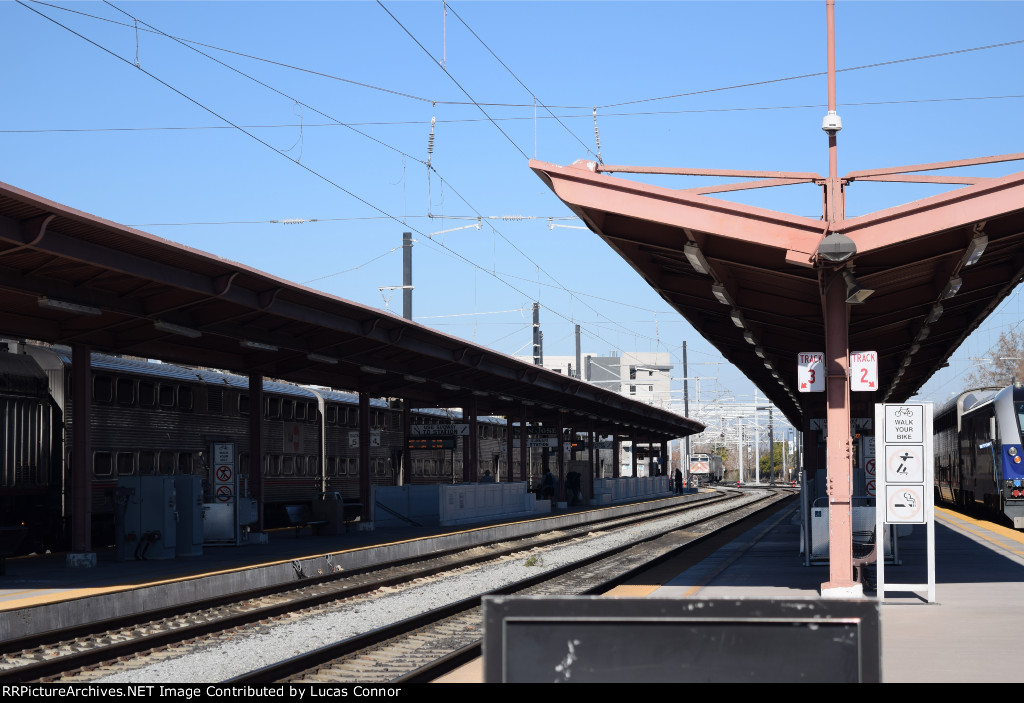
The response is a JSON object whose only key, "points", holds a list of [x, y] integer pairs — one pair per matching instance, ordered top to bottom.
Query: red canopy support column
{"points": [[838, 444], [256, 445], [509, 449], [524, 451], [364, 457], [81, 554]]}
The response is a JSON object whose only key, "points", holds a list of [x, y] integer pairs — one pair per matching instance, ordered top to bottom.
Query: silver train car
{"points": [[154, 418], [979, 459]]}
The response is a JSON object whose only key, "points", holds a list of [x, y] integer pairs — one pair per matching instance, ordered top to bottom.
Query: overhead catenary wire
{"points": [[951, 52], [604, 115], [279, 152]]}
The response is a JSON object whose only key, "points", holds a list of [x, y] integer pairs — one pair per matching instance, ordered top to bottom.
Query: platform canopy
{"points": [[70, 277], [747, 278]]}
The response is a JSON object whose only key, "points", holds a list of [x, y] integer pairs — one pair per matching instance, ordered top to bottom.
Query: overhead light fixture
{"points": [[836, 247], [974, 250], [696, 259], [952, 288], [721, 294], [855, 294], [65, 306], [934, 314], [737, 318], [176, 329], [923, 332], [749, 336], [249, 344], [914, 348], [758, 350], [321, 358], [768, 364], [372, 369], [414, 379], [450, 387], [482, 394], [506, 398], [525, 402], [545, 406]]}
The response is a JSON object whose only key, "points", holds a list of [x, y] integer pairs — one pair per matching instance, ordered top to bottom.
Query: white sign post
{"points": [[810, 372], [904, 476]]}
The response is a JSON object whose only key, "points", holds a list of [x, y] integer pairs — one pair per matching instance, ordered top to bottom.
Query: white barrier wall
{"points": [[618, 490], [444, 504]]}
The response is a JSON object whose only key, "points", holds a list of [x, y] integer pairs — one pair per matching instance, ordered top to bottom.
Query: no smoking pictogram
{"points": [[904, 504]]}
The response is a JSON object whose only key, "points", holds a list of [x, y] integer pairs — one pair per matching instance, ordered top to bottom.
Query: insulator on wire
{"points": [[597, 137]]}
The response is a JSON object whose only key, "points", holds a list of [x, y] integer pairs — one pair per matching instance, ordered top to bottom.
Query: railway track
{"points": [[133, 644]]}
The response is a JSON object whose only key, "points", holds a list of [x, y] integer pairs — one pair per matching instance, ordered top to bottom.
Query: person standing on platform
{"points": [[487, 478], [678, 480]]}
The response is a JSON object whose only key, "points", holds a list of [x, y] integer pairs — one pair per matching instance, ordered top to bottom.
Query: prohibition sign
{"points": [[869, 467], [223, 473], [869, 487], [224, 494], [904, 504]]}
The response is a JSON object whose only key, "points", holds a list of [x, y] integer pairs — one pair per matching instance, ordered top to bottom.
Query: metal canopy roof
{"points": [[690, 247], [145, 296]]}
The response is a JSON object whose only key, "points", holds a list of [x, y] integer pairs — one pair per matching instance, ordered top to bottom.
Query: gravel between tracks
{"points": [[228, 656]]}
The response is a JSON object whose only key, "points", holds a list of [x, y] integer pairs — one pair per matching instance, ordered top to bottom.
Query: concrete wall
{"points": [[617, 490], [455, 504]]}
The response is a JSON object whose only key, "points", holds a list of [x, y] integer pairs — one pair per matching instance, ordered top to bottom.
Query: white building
{"points": [[643, 376]]}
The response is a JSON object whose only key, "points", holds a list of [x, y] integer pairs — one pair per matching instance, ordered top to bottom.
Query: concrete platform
{"points": [[40, 593], [965, 637]]}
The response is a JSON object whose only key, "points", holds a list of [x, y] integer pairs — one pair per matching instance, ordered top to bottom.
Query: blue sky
{"points": [[153, 157]]}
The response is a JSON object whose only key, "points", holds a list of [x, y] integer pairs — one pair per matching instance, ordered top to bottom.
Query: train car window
{"points": [[102, 389], [125, 392], [167, 393], [147, 394], [185, 399], [215, 401], [243, 403], [273, 409], [287, 410], [300, 411], [332, 415], [125, 463], [147, 463], [167, 463], [185, 463], [102, 464], [243, 464], [270, 465], [288, 465], [312, 466], [332, 466], [378, 467]]}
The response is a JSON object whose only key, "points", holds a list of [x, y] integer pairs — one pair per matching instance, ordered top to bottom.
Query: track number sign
{"points": [[864, 371], [811, 372]]}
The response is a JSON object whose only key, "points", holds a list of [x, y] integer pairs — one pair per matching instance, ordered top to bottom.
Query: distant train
{"points": [[153, 418], [978, 452], [705, 469]]}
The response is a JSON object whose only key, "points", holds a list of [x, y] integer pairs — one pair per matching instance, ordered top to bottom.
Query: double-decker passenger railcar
{"points": [[154, 418], [978, 452]]}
